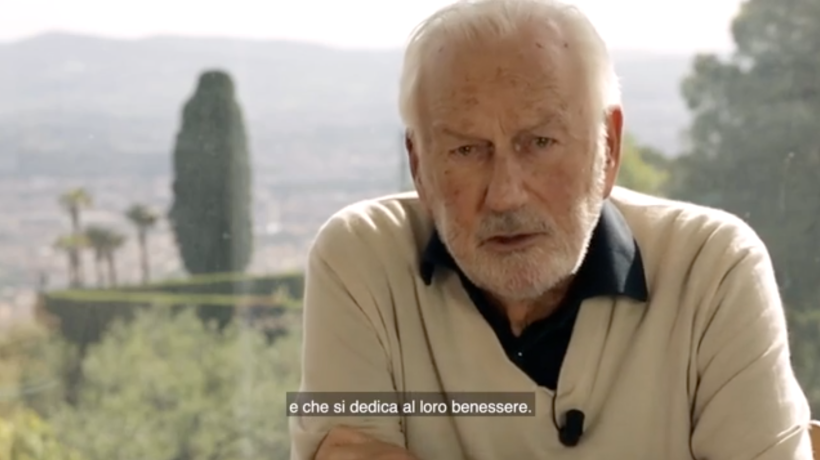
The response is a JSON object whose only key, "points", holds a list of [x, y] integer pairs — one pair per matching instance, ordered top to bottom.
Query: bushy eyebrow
{"points": [[556, 118], [549, 119], [448, 131], [461, 136]]}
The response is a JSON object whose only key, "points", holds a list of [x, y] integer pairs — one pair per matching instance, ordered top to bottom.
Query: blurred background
{"points": [[165, 164]]}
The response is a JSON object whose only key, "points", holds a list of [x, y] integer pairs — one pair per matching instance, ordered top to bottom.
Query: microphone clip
{"points": [[573, 428]]}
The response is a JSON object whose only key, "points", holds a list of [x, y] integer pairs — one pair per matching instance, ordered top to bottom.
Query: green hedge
{"points": [[228, 283], [83, 315]]}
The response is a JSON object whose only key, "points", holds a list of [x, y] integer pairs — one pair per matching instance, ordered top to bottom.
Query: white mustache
{"points": [[512, 223]]}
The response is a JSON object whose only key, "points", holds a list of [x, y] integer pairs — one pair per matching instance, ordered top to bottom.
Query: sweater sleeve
{"points": [[343, 340], [748, 403]]}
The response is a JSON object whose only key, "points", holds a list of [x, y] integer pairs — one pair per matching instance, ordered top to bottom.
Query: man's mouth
{"points": [[512, 241]]}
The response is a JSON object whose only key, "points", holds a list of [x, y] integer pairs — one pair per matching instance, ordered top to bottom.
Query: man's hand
{"points": [[343, 443]]}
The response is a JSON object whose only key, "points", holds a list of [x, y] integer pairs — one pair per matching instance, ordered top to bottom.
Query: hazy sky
{"points": [[664, 25]]}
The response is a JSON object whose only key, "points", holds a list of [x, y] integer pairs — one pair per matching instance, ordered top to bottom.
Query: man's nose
{"points": [[506, 190]]}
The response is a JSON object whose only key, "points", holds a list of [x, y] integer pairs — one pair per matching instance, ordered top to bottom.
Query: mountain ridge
{"points": [[114, 104]]}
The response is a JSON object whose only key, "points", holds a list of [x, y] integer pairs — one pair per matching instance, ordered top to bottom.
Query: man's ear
{"points": [[615, 124], [411, 144], [412, 155]]}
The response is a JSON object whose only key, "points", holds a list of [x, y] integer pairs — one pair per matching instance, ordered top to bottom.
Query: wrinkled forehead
{"points": [[530, 73]]}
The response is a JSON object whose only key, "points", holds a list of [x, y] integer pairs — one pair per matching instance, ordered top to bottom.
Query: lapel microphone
{"points": [[573, 428], [571, 431]]}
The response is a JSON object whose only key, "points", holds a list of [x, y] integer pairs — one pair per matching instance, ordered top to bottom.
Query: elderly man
{"points": [[647, 329]]}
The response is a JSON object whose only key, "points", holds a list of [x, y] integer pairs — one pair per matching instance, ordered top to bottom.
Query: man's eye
{"points": [[542, 142], [465, 150]]}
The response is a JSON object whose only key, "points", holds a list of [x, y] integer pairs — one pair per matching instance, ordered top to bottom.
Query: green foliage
{"points": [[755, 143], [755, 151], [643, 169], [211, 213], [141, 216], [229, 283], [84, 315], [36, 368], [21, 372], [165, 387], [25, 436]]}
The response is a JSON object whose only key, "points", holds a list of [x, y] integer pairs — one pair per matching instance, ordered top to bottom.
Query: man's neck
{"points": [[522, 313]]}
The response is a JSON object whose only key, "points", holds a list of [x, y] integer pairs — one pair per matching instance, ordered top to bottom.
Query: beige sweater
{"points": [[700, 372]]}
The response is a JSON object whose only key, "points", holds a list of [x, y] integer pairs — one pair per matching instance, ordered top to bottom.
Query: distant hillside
{"points": [[88, 106]]}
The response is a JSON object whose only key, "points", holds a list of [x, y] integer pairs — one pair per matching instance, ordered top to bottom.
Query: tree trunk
{"points": [[75, 220], [99, 262], [146, 267], [72, 268], [76, 268], [112, 270], [80, 274], [79, 279]]}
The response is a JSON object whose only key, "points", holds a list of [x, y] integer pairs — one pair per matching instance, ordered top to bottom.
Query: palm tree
{"points": [[73, 202], [143, 219], [97, 238], [115, 242], [105, 243], [72, 245]]}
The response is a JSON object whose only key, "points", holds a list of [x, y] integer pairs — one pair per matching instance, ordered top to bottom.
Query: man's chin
{"points": [[519, 288], [517, 293]]}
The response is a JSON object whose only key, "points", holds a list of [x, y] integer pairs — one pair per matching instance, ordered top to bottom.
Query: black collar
{"points": [[612, 266]]}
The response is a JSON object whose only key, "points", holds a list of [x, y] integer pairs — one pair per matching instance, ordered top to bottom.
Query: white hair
{"points": [[469, 19]]}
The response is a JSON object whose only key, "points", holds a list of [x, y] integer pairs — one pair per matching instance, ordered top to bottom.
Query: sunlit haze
{"points": [[672, 25]]}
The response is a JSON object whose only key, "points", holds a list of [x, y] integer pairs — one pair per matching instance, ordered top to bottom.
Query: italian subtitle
{"points": [[410, 404]]}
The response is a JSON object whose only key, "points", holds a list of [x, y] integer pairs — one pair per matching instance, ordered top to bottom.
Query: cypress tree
{"points": [[211, 212]]}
